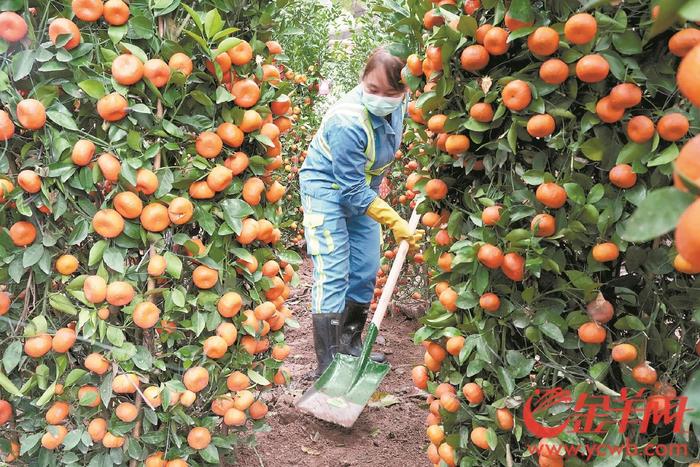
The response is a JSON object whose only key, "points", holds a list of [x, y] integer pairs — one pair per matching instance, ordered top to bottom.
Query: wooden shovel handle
{"points": [[388, 290]]}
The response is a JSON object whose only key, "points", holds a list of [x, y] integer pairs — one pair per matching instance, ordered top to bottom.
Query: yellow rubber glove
{"points": [[381, 212]]}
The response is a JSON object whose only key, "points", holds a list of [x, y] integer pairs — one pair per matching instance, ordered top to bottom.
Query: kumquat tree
{"points": [[546, 138], [151, 225], [142, 280]]}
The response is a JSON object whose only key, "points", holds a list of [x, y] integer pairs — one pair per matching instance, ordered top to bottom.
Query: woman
{"points": [[339, 180]]}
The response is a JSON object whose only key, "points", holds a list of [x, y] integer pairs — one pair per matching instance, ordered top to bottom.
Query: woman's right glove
{"points": [[381, 212]]}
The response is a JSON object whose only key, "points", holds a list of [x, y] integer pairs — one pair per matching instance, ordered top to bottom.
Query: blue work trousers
{"points": [[345, 250]]}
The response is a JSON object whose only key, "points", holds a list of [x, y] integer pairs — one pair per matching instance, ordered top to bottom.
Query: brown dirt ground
{"points": [[382, 436]]}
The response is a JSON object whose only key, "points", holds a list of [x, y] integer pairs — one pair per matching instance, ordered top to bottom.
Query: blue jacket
{"points": [[343, 176]]}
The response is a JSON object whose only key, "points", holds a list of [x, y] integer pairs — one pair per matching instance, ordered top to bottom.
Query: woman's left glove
{"points": [[381, 212]]}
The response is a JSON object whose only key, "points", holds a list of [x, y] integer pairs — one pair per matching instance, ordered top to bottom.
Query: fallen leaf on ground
{"points": [[382, 399], [311, 451]]}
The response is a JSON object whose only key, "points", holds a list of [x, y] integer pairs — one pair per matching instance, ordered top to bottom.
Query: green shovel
{"points": [[342, 391]]}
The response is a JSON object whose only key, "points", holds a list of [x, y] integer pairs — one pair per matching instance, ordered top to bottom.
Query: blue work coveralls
{"points": [[340, 177]]}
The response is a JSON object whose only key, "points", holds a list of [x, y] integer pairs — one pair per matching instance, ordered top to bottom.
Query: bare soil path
{"points": [[393, 435]]}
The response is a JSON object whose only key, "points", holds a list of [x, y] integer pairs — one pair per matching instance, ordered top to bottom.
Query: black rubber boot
{"points": [[354, 319], [326, 336]]}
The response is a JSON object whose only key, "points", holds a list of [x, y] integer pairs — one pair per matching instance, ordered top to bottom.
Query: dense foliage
{"points": [[535, 156], [142, 279]]}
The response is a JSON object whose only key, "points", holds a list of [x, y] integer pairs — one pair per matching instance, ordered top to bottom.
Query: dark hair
{"points": [[390, 64]]}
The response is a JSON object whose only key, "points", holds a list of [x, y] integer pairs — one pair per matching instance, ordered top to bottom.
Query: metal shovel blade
{"points": [[343, 390]]}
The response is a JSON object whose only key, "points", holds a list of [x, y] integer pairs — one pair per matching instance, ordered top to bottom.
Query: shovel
{"points": [[344, 388]]}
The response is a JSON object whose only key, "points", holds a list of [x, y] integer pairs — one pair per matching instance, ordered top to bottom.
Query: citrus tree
{"points": [[537, 131], [142, 280]]}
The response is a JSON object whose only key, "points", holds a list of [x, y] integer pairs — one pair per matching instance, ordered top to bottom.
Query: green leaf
{"points": [[521, 10], [691, 10], [667, 16], [212, 23], [117, 33], [628, 43], [226, 44], [136, 51], [22, 63], [93, 88], [63, 119], [172, 129], [593, 149], [632, 152], [669, 154], [575, 193], [235, 208], [656, 215], [96, 252], [32, 255], [289, 256], [114, 259], [173, 265], [60, 302], [630, 322], [552, 331], [115, 336], [12, 356], [74, 376], [257, 378], [8, 385], [106, 389], [47, 395], [210, 454]]}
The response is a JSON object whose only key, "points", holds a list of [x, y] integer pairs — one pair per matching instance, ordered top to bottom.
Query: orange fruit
{"points": [[470, 6], [87, 10], [116, 12], [431, 19], [64, 26], [13, 27], [581, 28], [481, 32], [496, 41], [543, 41], [683, 41], [240, 54], [474, 58], [181, 62], [414, 65], [592, 68], [127, 69], [554, 71], [271, 73], [686, 76], [246, 93], [516, 95], [625, 95], [281, 105], [113, 106], [607, 111], [481, 112], [31, 114], [252, 121], [436, 123], [541, 125], [7, 126], [672, 126], [640, 129], [230, 134], [208, 144], [456, 144], [82, 153], [687, 164], [109, 166], [622, 176], [219, 178], [29, 181], [146, 182], [436, 189], [252, 191], [275, 192], [551, 195], [128, 204], [180, 210], [491, 215], [155, 217], [108, 223], [543, 225], [22, 233], [687, 240], [604, 252], [490, 256], [66, 264], [156, 265], [681, 265], [513, 266], [204, 277], [95, 289], [119, 293], [448, 299], [490, 302], [5, 303], [229, 304], [146, 315], [228, 332], [592, 333], [63, 340], [454, 345], [215, 347], [624, 353], [97, 364], [419, 374], [644, 374], [196, 378], [125, 383], [473, 393], [89, 395], [257, 410], [5, 411], [126, 412], [57, 413], [504, 419], [97, 429], [435, 434], [54, 436], [478, 437], [198, 438], [112, 441], [155, 460]]}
